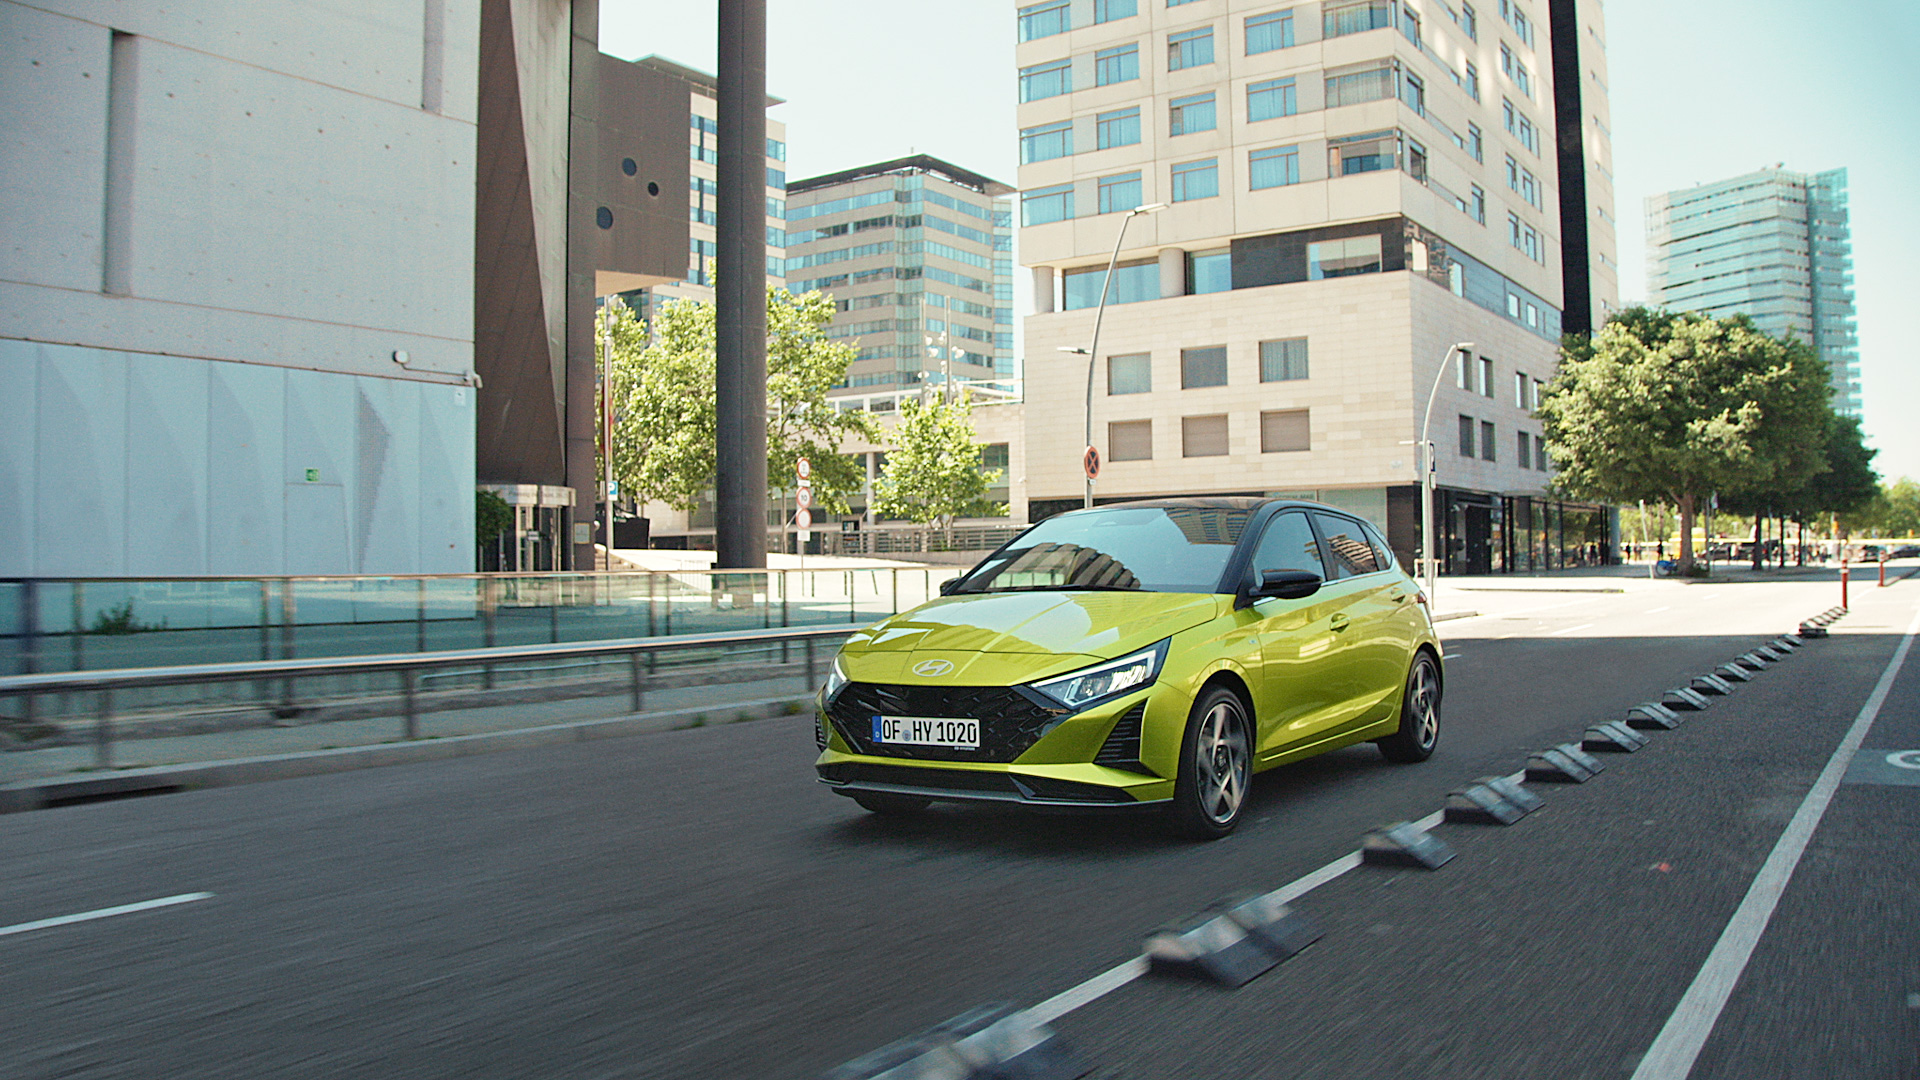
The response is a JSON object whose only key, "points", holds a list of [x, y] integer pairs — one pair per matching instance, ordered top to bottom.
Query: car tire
{"points": [[1419, 714], [1216, 767], [882, 803]]}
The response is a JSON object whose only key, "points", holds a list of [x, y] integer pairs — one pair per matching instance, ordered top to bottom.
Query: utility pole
{"points": [[740, 293]]}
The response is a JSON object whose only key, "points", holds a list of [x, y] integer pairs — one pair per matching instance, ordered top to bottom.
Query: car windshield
{"points": [[1144, 549]]}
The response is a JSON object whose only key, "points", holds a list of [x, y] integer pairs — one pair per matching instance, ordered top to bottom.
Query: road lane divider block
{"points": [[1812, 630], [1792, 639], [1768, 652], [1753, 661], [1733, 673], [1710, 684], [1684, 698], [1653, 716], [1613, 737], [1563, 764], [1491, 800], [1404, 844], [1230, 943], [993, 1042]]}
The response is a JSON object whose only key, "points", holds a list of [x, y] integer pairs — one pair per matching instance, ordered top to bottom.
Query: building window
{"points": [[1109, 10], [1359, 16], [1043, 20], [1470, 22], [1410, 25], [1523, 26], [1265, 33], [1190, 48], [1116, 65], [1046, 80], [1372, 81], [1473, 81], [1414, 92], [1272, 98], [1187, 115], [1118, 128], [1046, 142], [1476, 142], [1363, 153], [1416, 161], [1274, 167], [1513, 174], [1196, 180], [1530, 187], [1119, 192], [1477, 204], [1042, 205], [1513, 238], [1530, 246], [1343, 258], [1209, 272], [1456, 279], [1132, 282], [1513, 304], [1533, 317], [1284, 360], [1203, 367], [1462, 368], [1130, 374], [1486, 376], [1519, 392], [1533, 394], [1284, 430], [1203, 436], [1466, 436], [1130, 440], [1523, 449], [1488, 452], [1540, 455]]}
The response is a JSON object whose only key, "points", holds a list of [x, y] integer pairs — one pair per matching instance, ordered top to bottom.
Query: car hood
{"points": [[1100, 625]]}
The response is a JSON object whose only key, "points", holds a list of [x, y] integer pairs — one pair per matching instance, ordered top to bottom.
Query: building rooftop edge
{"points": [[706, 84], [923, 162]]}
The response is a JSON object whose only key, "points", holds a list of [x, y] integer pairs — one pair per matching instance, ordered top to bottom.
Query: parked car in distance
{"points": [[1151, 654]]}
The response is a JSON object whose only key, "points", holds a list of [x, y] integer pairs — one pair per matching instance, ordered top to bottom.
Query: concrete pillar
{"points": [[1173, 272], [1042, 290], [740, 315]]}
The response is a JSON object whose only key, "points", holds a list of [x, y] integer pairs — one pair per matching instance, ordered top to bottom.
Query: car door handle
{"points": [[1398, 598], [1338, 623]]}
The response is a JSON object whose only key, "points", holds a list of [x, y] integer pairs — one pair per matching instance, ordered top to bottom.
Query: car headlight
{"points": [[836, 678], [1078, 689]]}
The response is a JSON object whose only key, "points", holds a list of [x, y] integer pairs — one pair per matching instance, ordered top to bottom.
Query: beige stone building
{"points": [[1350, 188]]}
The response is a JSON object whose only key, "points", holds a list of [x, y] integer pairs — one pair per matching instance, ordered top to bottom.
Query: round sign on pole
{"points": [[1091, 462], [803, 469], [803, 497], [803, 520]]}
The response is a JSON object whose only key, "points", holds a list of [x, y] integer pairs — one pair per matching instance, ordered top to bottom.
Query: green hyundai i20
{"points": [[1143, 654]]}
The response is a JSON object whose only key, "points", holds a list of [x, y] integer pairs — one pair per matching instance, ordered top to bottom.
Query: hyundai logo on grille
{"points": [[932, 669]]}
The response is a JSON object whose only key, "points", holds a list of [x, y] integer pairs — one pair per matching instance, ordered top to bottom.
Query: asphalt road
{"points": [[693, 904]]}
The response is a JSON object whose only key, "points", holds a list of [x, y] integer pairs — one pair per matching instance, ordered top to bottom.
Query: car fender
{"points": [[1165, 723]]}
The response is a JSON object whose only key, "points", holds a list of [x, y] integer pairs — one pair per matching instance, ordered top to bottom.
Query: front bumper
{"points": [[1058, 787]]}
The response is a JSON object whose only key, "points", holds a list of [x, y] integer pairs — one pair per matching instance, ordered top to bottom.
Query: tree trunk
{"points": [[1686, 533], [1759, 560]]}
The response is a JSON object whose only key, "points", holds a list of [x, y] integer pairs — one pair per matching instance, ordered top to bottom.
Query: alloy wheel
{"points": [[1221, 756]]}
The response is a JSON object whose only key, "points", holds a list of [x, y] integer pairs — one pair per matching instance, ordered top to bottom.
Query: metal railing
{"points": [[283, 676]]}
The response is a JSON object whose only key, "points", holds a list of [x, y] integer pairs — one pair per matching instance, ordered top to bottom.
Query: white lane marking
{"points": [[1658, 610], [1570, 630], [1904, 759], [104, 913], [1114, 978], [1680, 1040]]}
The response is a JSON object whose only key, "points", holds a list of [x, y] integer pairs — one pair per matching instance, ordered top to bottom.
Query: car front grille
{"points": [[1010, 721]]}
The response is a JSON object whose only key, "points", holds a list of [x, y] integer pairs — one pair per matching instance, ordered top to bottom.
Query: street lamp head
{"points": [[1150, 208], [1462, 346], [1074, 349]]}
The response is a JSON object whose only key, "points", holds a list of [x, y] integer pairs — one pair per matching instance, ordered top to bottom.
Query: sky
{"points": [[1701, 90]]}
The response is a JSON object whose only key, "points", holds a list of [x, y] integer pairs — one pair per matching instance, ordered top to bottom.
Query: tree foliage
{"points": [[1676, 407], [666, 418], [933, 475], [1894, 511]]}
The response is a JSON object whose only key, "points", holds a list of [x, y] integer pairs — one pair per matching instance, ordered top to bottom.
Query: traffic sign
{"points": [[1091, 462], [803, 469], [803, 497], [803, 520]]}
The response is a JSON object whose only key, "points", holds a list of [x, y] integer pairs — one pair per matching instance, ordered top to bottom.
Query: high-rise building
{"points": [[1349, 189], [1773, 245], [917, 254]]}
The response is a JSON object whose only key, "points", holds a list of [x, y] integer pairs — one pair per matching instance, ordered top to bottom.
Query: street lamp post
{"points": [[1093, 348], [1427, 468]]}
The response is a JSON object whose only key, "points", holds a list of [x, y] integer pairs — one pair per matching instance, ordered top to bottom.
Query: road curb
{"points": [[72, 789]]}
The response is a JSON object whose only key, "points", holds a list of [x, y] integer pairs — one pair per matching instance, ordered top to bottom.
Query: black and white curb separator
{"points": [[1812, 630], [1768, 652], [1753, 661], [1733, 673], [1710, 684], [1684, 698], [1653, 716], [1613, 737], [1563, 764], [1491, 800], [1404, 844], [1230, 943], [993, 1042]]}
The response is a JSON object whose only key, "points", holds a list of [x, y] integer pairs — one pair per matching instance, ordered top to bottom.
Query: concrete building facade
{"points": [[1350, 188], [1773, 245]]}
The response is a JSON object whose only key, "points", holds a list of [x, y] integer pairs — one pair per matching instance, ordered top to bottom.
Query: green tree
{"points": [[664, 406], [1678, 406], [933, 474], [1843, 483], [1894, 511], [491, 517]]}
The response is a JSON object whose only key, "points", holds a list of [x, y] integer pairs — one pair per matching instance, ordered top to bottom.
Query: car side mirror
{"points": [[952, 583], [1286, 585]]}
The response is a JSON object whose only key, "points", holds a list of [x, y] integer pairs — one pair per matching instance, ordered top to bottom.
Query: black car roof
{"points": [[1211, 502]]}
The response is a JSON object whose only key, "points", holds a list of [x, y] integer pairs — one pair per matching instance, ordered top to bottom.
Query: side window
{"points": [[1288, 544], [1347, 546], [1380, 547]]}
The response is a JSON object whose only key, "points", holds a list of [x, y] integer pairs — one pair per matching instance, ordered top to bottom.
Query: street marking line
{"points": [[1571, 630], [104, 913], [1114, 978], [1685, 1033]]}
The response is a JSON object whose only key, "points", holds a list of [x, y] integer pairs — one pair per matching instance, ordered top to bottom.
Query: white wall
{"points": [[289, 190]]}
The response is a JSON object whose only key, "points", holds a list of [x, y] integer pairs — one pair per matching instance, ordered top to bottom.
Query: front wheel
{"points": [[1419, 714], [1216, 765]]}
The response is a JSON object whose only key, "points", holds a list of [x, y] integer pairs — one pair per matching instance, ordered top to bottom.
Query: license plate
{"points": [[927, 731]]}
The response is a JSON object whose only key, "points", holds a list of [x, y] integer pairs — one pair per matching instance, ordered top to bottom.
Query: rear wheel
{"points": [[1419, 714], [1216, 766], [882, 803]]}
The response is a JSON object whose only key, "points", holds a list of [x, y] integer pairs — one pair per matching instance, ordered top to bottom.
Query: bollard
{"points": [[1883, 571], [1843, 583]]}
